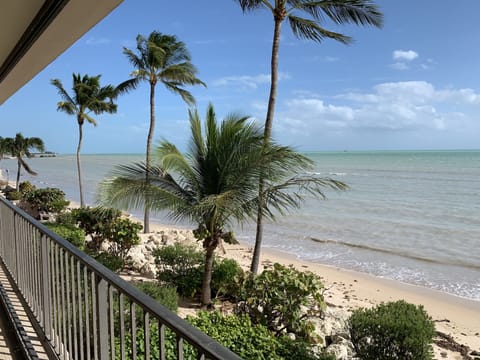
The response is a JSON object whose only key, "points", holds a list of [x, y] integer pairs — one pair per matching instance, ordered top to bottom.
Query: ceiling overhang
{"points": [[36, 32]]}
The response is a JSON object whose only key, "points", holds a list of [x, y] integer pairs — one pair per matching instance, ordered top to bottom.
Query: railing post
{"points": [[46, 296], [102, 316]]}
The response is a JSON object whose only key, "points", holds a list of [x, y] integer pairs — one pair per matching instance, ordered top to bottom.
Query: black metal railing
{"points": [[84, 310]]}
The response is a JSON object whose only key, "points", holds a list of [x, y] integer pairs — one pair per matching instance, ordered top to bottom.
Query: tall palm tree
{"points": [[359, 12], [165, 59], [87, 97], [20, 147], [216, 183]]}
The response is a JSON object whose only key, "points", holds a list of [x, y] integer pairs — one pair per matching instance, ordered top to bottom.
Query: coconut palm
{"points": [[359, 12], [165, 59], [87, 97], [20, 147], [216, 183]]}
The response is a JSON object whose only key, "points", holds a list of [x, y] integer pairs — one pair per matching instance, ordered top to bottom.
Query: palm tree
{"points": [[359, 12], [165, 59], [87, 97], [20, 147], [216, 183]]}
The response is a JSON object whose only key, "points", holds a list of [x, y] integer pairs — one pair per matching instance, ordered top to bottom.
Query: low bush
{"points": [[26, 187], [12, 194], [50, 200], [96, 222], [70, 233], [122, 234], [110, 261], [182, 266], [225, 277], [165, 295], [283, 299], [394, 330], [252, 341]]}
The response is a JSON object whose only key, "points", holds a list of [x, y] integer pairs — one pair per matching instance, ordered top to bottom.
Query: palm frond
{"points": [[251, 5], [309, 29], [27, 168]]}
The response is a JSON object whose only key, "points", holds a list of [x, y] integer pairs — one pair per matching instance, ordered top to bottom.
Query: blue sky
{"points": [[415, 84]]}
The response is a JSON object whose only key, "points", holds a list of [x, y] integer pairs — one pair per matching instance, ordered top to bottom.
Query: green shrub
{"points": [[26, 187], [13, 195], [51, 200], [66, 218], [96, 222], [70, 233], [122, 235], [110, 261], [181, 266], [225, 277], [165, 295], [283, 299], [394, 330], [239, 334], [252, 341], [300, 349]]}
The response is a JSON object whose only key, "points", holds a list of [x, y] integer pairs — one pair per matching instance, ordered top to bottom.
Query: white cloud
{"points": [[408, 55], [248, 81], [409, 107]]}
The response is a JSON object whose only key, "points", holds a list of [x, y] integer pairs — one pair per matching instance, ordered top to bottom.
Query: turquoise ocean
{"points": [[412, 216]]}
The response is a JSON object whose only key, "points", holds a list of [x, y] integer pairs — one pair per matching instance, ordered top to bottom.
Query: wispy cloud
{"points": [[97, 41], [407, 55], [402, 58], [248, 81]]}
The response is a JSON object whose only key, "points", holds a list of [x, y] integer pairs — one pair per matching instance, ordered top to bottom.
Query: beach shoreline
{"points": [[349, 290]]}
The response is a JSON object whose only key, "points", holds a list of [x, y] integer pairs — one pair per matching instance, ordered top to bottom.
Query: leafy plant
{"points": [[26, 187], [12, 194], [50, 200], [96, 222], [70, 233], [122, 235], [110, 261], [181, 266], [225, 277], [165, 295], [283, 299], [394, 330], [239, 334], [252, 341]]}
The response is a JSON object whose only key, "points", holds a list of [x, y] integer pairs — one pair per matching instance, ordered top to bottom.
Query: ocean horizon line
{"points": [[305, 151]]}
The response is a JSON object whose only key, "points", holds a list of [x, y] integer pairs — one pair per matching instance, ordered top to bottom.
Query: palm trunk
{"points": [[267, 134], [79, 167], [19, 168], [146, 218], [206, 297]]}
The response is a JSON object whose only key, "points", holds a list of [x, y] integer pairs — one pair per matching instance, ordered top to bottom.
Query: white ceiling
{"points": [[75, 19]]}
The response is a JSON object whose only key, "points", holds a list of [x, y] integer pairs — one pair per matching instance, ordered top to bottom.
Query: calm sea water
{"points": [[410, 216]]}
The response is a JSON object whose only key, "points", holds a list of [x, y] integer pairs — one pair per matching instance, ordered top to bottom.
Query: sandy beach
{"points": [[454, 316]]}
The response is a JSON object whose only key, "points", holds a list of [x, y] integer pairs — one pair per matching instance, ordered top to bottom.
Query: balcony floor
{"points": [[10, 347]]}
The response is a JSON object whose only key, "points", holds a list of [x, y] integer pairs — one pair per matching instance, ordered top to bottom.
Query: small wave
{"points": [[337, 173], [398, 253]]}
